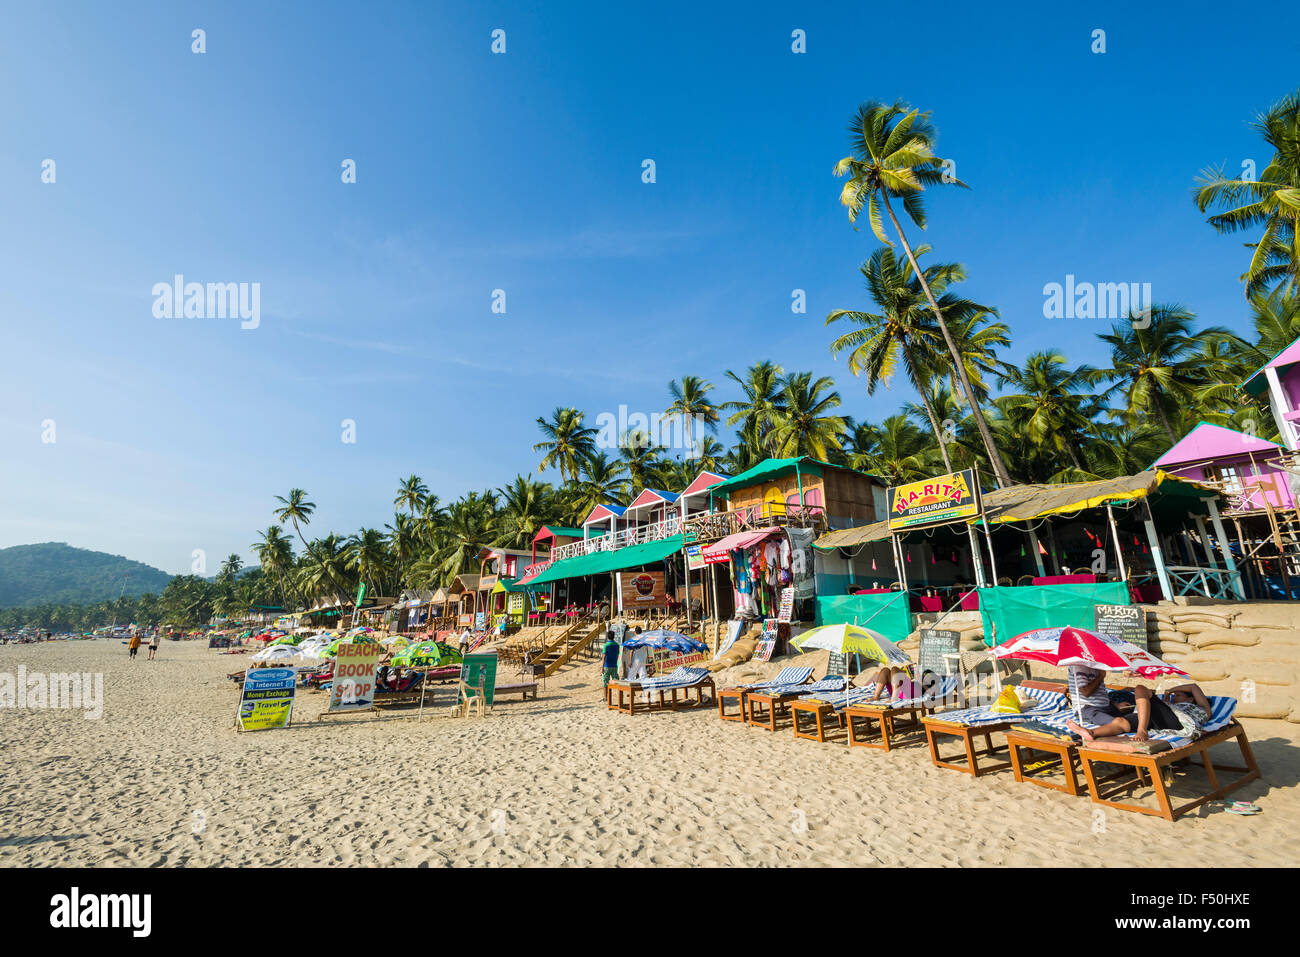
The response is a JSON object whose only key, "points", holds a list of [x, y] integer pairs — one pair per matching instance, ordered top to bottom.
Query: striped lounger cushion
{"points": [[788, 676], [683, 677], [843, 699], [1049, 703], [1221, 715]]}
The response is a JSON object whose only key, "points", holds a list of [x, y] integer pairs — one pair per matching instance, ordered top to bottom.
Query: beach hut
{"points": [[1278, 383]]}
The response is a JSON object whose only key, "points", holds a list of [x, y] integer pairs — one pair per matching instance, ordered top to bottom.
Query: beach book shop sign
{"points": [[944, 498], [353, 688], [267, 698]]}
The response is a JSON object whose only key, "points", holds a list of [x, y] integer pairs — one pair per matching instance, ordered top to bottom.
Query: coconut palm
{"points": [[892, 154], [1271, 201], [903, 333], [1153, 364], [762, 385], [691, 403], [1052, 404], [804, 425], [567, 442], [896, 450], [639, 456], [601, 482], [411, 494], [525, 507], [297, 511], [275, 553], [368, 558], [230, 567]]}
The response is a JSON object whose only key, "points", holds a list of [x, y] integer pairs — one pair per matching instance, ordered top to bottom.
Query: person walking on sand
{"points": [[133, 645], [153, 645], [609, 659]]}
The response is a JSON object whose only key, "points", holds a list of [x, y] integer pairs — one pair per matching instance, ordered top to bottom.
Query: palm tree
{"points": [[892, 154], [1271, 201], [904, 330], [1152, 362], [762, 385], [691, 404], [1051, 405], [804, 426], [567, 442], [896, 450], [639, 456], [602, 481], [410, 494], [526, 508], [296, 510], [471, 522], [275, 553], [368, 556], [230, 567], [324, 567]]}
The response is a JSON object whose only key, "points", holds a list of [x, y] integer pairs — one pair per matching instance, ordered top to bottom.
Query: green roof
{"points": [[770, 469], [562, 530], [610, 561]]}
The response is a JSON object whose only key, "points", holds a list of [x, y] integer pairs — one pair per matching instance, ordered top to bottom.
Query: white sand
{"points": [[557, 781]]}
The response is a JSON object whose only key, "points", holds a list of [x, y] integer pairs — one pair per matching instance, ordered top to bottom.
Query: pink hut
{"points": [[1279, 379], [1246, 467]]}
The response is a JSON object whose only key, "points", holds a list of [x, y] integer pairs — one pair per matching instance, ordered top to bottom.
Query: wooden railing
{"points": [[718, 525], [638, 535]]}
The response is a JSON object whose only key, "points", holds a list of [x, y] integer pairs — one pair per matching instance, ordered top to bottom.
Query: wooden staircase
{"points": [[571, 641]]}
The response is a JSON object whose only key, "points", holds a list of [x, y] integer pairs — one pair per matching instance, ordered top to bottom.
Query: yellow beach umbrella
{"points": [[853, 640]]}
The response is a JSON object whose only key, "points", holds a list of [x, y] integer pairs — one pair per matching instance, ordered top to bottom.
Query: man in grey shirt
{"points": [[1088, 693]]}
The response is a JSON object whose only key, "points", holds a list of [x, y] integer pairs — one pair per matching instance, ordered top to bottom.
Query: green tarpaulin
{"points": [[610, 561], [1013, 611], [885, 613]]}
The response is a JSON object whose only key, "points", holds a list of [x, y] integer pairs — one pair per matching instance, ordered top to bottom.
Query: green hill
{"points": [[58, 573]]}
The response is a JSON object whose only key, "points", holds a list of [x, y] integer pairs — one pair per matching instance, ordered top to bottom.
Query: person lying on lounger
{"points": [[893, 683], [1184, 708]]}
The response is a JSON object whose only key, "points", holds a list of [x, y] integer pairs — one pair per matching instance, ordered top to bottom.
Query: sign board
{"points": [[944, 498], [695, 557], [644, 590], [786, 610], [465, 620], [480, 621], [1127, 622], [935, 644], [662, 662], [842, 664], [479, 673], [353, 687], [267, 698]]}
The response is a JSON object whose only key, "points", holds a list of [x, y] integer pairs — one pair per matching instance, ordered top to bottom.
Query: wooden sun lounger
{"points": [[631, 690], [741, 695], [762, 709], [819, 712], [861, 716], [936, 727], [1150, 770]]}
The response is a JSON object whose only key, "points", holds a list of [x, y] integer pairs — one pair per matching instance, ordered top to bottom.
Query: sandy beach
{"points": [[163, 779]]}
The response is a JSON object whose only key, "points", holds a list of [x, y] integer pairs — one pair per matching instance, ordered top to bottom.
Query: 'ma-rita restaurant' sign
{"points": [[945, 498]]}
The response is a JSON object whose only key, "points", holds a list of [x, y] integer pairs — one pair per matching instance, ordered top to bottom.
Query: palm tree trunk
{"points": [[1164, 419], [934, 424], [1000, 471]]}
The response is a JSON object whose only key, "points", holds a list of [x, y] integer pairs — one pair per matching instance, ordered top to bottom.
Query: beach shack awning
{"points": [[768, 469], [1021, 503], [721, 550], [611, 561]]}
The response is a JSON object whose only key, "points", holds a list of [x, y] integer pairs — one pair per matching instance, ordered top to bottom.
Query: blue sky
{"points": [[522, 172]]}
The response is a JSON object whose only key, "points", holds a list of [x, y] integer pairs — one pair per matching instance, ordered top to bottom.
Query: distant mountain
{"points": [[56, 572]]}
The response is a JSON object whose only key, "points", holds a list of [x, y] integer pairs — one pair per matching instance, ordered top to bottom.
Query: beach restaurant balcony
{"points": [[620, 538]]}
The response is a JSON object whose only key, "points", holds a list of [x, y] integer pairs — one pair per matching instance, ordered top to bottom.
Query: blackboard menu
{"points": [[1127, 622], [935, 644], [851, 664]]}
